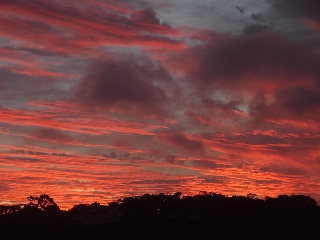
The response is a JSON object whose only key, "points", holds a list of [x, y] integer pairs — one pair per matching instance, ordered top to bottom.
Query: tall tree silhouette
{"points": [[43, 202]]}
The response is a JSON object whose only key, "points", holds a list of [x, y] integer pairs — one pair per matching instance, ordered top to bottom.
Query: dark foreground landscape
{"points": [[166, 216]]}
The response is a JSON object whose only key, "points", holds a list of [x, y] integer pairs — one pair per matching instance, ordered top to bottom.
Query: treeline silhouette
{"points": [[166, 216]]}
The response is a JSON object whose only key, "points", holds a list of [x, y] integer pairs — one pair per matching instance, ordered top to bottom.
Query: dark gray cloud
{"points": [[305, 8], [241, 10], [257, 17], [297, 19], [260, 24], [256, 28], [258, 61], [130, 83], [300, 99], [295, 103], [180, 140]]}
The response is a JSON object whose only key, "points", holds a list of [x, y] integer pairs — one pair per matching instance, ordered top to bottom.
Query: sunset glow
{"points": [[103, 99]]}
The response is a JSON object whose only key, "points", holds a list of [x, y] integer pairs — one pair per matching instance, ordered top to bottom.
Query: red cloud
{"points": [[67, 28], [74, 118]]}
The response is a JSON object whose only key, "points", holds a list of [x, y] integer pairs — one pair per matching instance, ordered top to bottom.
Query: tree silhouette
{"points": [[43, 202], [157, 216]]}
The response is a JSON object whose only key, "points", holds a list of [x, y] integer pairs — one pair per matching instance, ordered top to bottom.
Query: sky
{"points": [[105, 99]]}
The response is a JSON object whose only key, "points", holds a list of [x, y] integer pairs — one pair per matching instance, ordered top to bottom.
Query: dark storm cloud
{"points": [[305, 8], [261, 60], [130, 84], [300, 99], [51, 134]]}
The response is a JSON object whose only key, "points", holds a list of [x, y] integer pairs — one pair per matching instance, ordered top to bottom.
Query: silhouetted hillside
{"points": [[165, 216]]}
